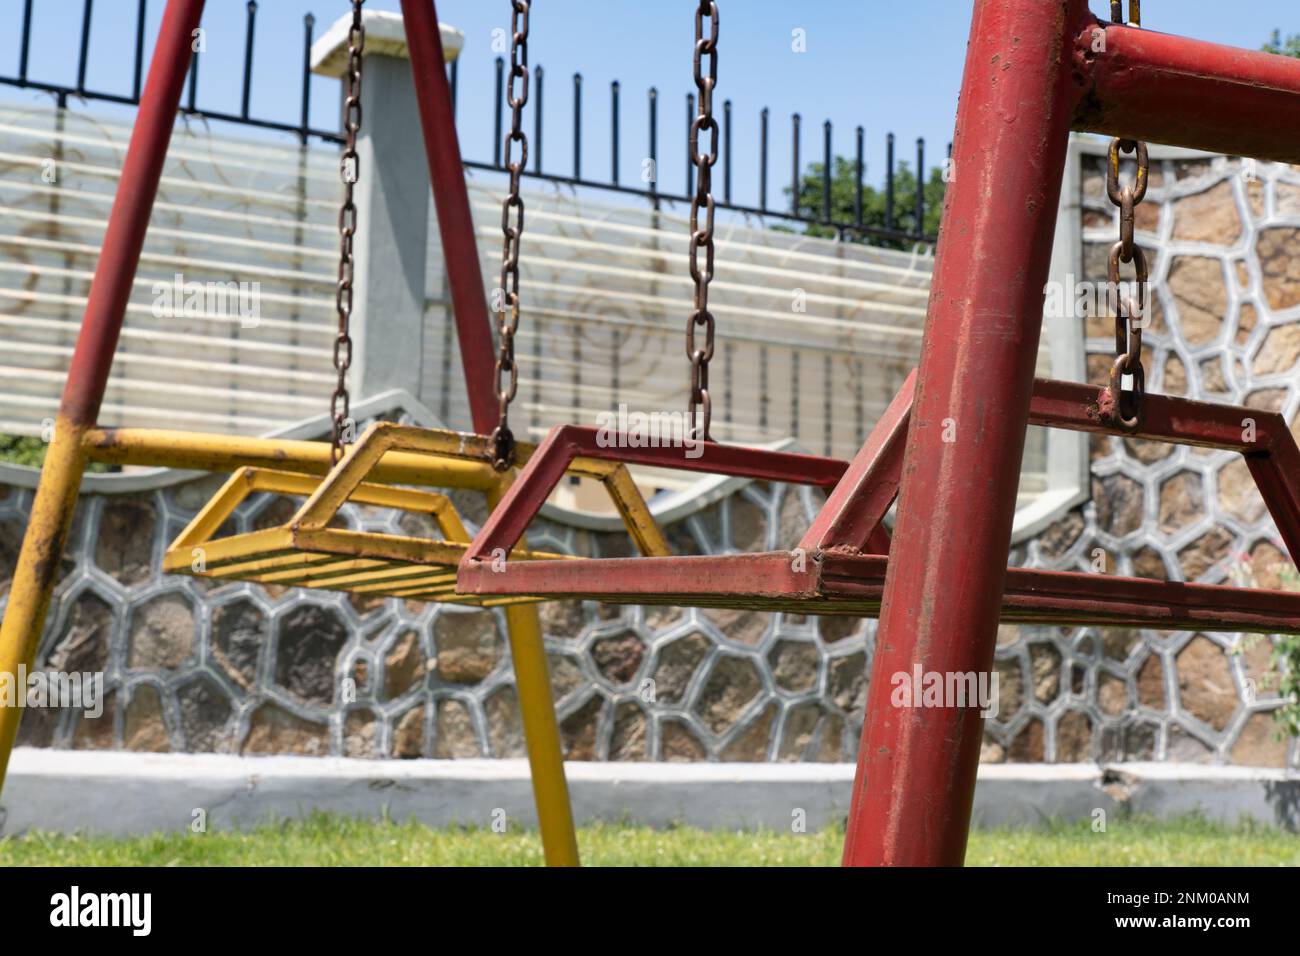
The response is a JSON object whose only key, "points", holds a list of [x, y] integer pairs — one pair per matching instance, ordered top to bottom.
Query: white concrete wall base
{"points": [[128, 793]]}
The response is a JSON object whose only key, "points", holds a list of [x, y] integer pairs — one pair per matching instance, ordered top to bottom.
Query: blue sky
{"points": [[882, 64]]}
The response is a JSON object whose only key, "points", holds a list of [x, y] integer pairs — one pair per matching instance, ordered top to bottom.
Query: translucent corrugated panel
{"points": [[229, 326], [814, 336]]}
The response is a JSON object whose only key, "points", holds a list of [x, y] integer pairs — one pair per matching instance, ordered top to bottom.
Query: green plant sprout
{"points": [[1284, 657]]}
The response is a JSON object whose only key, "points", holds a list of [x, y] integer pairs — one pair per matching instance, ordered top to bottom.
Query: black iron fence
{"points": [[189, 103], [801, 209]]}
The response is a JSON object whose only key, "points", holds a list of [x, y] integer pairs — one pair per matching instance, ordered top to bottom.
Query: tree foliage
{"points": [[1286, 47], [844, 186], [24, 450]]}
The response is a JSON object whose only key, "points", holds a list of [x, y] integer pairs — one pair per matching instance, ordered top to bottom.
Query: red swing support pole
{"points": [[1034, 70], [455, 220], [478, 358], [947, 566]]}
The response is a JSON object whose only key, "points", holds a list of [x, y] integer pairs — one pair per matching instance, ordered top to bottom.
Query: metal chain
{"points": [[349, 169], [1120, 408], [700, 410], [502, 443]]}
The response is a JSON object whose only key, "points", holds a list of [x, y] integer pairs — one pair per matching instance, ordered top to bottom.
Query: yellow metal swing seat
{"points": [[309, 552]]}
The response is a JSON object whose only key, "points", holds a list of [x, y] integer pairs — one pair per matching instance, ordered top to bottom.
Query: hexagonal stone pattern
{"points": [[124, 543], [240, 630], [162, 633], [310, 638], [85, 640], [468, 645], [618, 658], [678, 660], [204, 665], [404, 665], [794, 665], [1205, 683], [732, 685], [204, 714], [145, 726], [455, 729], [274, 730], [630, 730], [360, 734], [408, 734]]}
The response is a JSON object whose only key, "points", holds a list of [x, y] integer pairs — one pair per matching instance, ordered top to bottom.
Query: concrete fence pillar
{"points": [[392, 197]]}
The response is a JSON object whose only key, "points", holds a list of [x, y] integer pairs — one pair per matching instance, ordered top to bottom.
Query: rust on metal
{"points": [[1182, 92], [349, 170], [699, 410], [571, 447], [943, 595]]}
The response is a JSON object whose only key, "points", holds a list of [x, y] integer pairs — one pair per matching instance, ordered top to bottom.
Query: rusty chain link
{"points": [[349, 169], [1119, 408], [700, 410], [502, 445]]}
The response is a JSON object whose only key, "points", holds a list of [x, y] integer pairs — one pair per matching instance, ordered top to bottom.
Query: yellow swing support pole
{"points": [[470, 313], [56, 495], [38, 566], [541, 729]]}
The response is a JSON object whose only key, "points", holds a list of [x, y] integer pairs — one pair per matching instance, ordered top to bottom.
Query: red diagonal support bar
{"points": [[1167, 89], [455, 220], [92, 359], [1276, 474], [852, 515], [848, 578]]}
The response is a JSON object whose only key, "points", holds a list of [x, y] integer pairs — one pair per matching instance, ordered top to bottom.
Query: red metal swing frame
{"points": [[1035, 70], [839, 565]]}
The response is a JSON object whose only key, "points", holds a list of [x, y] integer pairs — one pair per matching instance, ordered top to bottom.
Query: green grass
{"points": [[324, 840]]}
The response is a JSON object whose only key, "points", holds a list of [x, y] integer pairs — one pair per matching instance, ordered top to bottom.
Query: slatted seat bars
{"points": [[308, 551], [839, 565]]}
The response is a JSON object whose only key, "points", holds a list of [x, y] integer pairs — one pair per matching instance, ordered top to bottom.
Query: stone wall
{"points": [[1223, 240], [192, 664], [241, 668]]}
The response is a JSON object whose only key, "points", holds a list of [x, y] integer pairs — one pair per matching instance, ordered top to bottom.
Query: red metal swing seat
{"points": [[839, 565]]}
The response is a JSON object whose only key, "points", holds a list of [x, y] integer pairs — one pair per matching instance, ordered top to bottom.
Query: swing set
{"points": [[946, 451]]}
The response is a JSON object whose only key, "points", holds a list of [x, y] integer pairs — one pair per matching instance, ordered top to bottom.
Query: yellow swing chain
{"points": [[349, 170]]}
